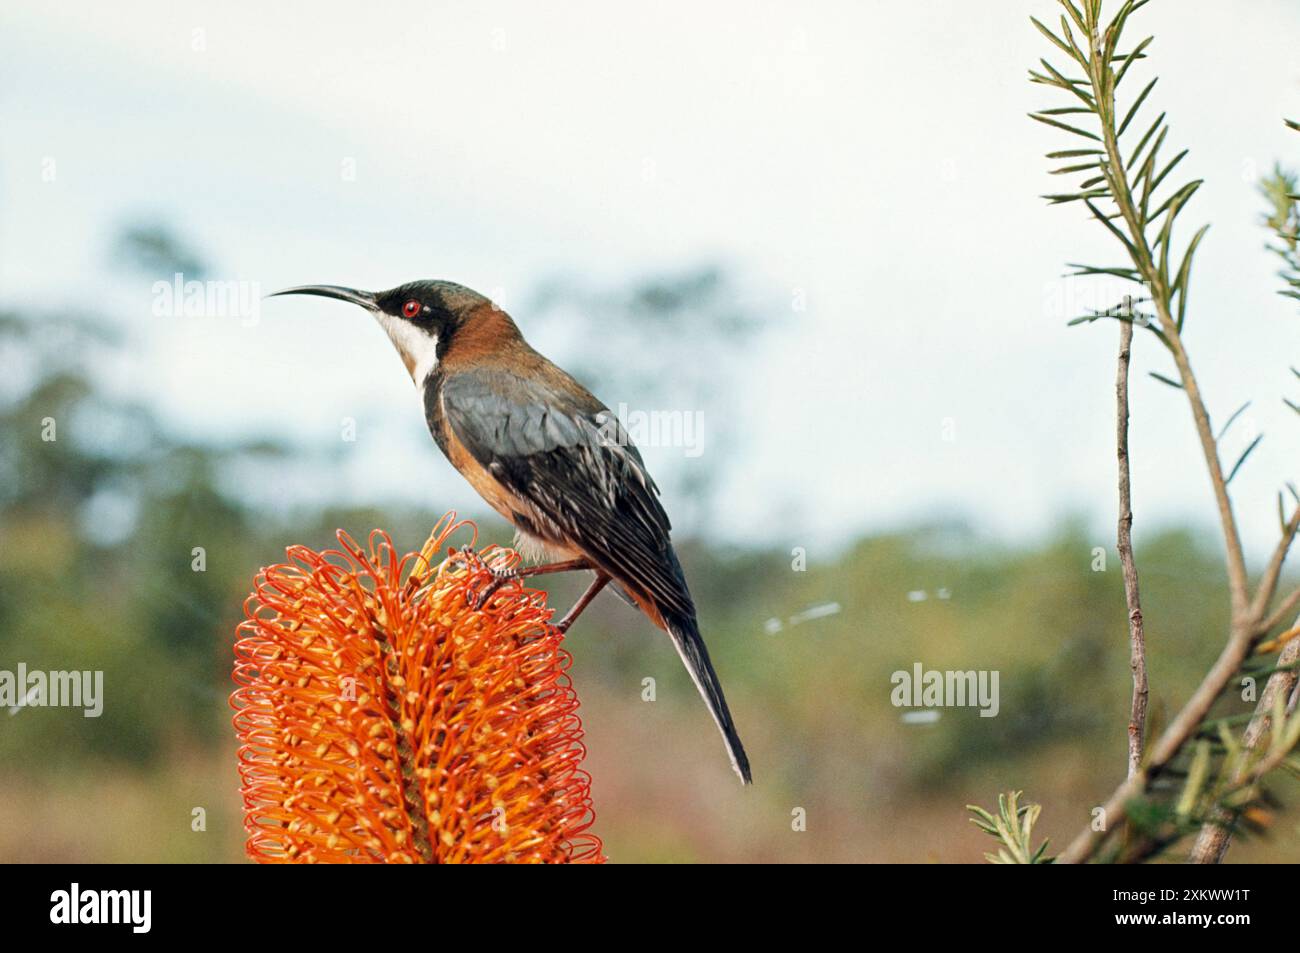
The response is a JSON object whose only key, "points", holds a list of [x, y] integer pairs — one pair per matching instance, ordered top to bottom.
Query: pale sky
{"points": [[871, 159]]}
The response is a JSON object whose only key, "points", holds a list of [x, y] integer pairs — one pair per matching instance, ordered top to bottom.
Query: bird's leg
{"points": [[568, 565], [502, 576], [592, 591]]}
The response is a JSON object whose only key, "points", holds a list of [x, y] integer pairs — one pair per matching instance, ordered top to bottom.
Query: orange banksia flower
{"points": [[382, 718]]}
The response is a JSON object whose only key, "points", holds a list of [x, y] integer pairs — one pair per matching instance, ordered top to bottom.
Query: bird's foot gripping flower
{"points": [[499, 572], [383, 718]]}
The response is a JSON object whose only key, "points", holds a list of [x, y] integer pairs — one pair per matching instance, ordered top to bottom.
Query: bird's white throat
{"points": [[418, 349]]}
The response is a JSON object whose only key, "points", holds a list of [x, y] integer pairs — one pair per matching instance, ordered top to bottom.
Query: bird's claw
{"points": [[465, 556], [499, 578]]}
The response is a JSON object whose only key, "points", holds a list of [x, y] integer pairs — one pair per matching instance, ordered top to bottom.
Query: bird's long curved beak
{"points": [[364, 298]]}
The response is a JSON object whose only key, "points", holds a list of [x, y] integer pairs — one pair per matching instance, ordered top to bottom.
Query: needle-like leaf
{"points": [[1056, 40], [1132, 58], [1071, 85], [1137, 104], [1060, 125], [1144, 140], [1071, 169], [1155, 184], [1105, 220], [1185, 274], [1237, 413], [1242, 459]]}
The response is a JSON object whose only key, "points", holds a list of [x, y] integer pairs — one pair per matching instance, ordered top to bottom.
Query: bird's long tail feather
{"points": [[685, 633]]}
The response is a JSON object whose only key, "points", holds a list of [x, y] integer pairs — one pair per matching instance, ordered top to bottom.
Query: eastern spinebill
{"points": [[548, 456]]}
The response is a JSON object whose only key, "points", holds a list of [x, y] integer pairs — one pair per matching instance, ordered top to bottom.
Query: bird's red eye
{"points": [[411, 308]]}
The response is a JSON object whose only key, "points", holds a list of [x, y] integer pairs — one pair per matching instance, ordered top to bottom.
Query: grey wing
{"points": [[570, 458]]}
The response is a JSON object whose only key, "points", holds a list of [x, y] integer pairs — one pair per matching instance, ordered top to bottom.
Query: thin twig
{"points": [[1144, 261], [1237, 580], [1268, 583], [1283, 610], [1250, 618], [1243, 630], [1137, 638], [1169, 744], [1216, 835]]}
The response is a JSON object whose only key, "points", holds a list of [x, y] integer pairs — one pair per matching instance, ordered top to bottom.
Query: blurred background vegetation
{"points": [[98, 528]]}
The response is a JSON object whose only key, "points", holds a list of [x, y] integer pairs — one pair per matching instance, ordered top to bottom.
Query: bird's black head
{"points": [[421, 317]]}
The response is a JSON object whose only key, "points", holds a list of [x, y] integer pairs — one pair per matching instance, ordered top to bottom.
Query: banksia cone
{"points": [[382, 718]]}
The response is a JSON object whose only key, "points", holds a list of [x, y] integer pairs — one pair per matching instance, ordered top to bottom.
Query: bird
{"points": [[548, 456]]}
